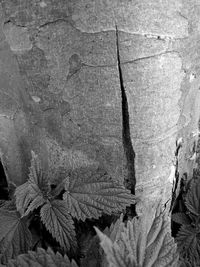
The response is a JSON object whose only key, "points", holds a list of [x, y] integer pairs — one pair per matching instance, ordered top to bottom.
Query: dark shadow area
{"points": [[3, 183]]}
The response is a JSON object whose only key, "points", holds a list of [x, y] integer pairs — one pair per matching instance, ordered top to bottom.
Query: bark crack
{"points": [[130, 180]]}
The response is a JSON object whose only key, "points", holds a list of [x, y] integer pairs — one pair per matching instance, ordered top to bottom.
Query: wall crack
{"points": [[130, 180]]}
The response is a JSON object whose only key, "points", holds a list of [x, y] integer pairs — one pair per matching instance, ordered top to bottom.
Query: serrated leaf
{"points": [[37, 176], [36, 187], [90, 195], [23, 197], [192, 201], [36, 203], [181, 218], [59, 223], [114, 231], [15, 237], [188, 240], [145, 241], [115, 255], [42, 258]]}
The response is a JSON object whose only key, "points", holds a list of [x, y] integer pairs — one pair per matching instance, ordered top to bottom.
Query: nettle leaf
{"points": [[37, 176], [31, 194], [90, 195], [23, 197], [193, 198], [36, 203], [56, 218], [181, 218], [114, 231], [114, 234], [15, 237], [188, 240], [145, 241], [114, 254], [42, 258]]}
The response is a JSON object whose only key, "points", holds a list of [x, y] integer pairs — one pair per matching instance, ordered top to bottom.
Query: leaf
{"points": [[37, 176], [36, 187], [88, 195], [23, 197], [193, 198], [36, 203], [181, 218], [59, 223], [115, 229], [114, 233], [15, 237], [188, 240], [145, 241], [115, 255], [42, 258]]}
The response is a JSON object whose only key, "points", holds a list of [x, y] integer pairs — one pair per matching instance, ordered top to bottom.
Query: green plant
{"points": [[55, 206], [188, 236], [142, 242], [41, 258]]}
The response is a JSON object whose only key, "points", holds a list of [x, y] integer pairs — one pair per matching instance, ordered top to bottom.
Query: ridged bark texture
{"points": [[105, 83]]}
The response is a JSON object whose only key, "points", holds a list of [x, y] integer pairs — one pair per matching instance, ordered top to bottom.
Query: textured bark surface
{"points": [[77, 96]]}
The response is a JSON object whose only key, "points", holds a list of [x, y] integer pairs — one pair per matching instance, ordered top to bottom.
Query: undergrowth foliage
{"points": [[55, 207], [188, 218], [38, 224], [142, 242], [42, 258]]}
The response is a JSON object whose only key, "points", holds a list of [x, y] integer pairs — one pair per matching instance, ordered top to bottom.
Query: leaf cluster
{"points": [[81, 195], [188, 236], [142, 242], [41, 258]]}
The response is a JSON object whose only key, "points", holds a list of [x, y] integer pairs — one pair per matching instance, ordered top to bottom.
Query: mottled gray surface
{"points": [[60, 88]]}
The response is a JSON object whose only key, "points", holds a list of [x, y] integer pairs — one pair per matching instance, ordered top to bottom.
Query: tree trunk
{"points": [[103, 84]]}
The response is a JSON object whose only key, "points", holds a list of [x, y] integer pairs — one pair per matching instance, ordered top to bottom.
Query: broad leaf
{"points": [[37, 176], [36, 187], [88, 195], [23, 197], [36, 203], [56, 218], [114, 233], [15, 238], [188, 240], [145, 241], [115, 255], [42, 258]]}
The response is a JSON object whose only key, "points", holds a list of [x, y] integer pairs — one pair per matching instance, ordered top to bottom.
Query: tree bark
{"points": [[102, 84]]}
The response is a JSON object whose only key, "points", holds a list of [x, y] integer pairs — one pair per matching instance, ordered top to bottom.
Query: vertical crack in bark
{"points": [[130, 180], [3, 183]]}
